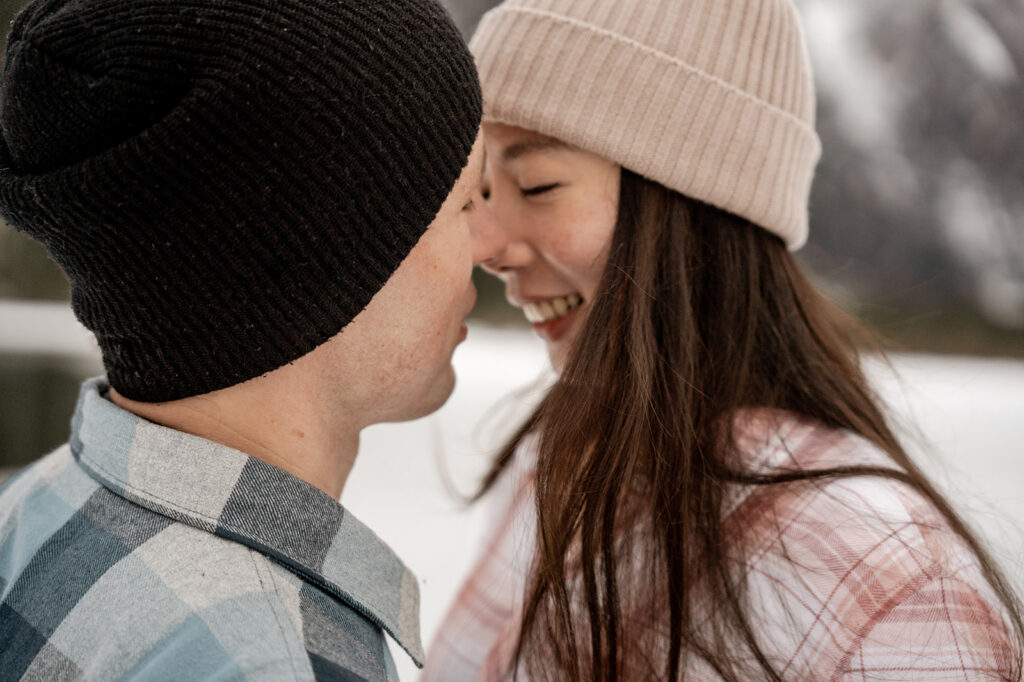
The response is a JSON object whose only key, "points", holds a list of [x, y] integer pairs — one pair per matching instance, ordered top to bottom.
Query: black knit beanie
{"points": [[227, 183]]}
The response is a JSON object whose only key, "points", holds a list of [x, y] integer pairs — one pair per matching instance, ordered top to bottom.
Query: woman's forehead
{"points": [[510, 143]]}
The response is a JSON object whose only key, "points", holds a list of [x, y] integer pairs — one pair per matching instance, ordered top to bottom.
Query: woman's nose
{"points": [[488, 239], [499, 242]]}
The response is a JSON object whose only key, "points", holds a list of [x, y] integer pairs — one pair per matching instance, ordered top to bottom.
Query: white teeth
{"points": [[549, 310]]}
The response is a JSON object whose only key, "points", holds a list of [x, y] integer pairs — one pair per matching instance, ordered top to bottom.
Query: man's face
{"points": [[393, 361]]}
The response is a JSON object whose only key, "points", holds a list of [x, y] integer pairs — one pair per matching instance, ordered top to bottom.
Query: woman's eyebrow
{"points": [[515, 151]]}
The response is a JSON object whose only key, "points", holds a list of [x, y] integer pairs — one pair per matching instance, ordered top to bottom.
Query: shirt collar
{"points": [[228, 493]]}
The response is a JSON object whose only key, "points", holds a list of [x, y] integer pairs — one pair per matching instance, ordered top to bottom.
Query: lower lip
{"points": [[556, 329], [463, 332]]}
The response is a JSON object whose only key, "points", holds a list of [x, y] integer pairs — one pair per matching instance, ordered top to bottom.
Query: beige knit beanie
{"points": [[711, 98]]}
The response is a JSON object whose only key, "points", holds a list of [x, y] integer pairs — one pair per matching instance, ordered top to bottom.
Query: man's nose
{"points": [[487, 237]]}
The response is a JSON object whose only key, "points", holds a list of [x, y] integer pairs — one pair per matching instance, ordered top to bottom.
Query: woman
{"points": [[710, 490]]}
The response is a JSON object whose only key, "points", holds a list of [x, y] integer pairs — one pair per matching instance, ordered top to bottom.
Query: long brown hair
{"points": [[699, 314]]}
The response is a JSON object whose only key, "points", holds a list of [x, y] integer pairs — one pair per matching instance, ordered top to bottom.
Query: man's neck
{"points": [[264, 424]]}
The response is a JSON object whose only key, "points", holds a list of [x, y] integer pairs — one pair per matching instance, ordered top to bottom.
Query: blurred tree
{"points": [[8, 9], [468, 12], [918, 198], [25, 269], [37, 398]]}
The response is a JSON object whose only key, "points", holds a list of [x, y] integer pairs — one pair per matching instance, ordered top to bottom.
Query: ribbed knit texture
{"points": [[711, 98], [227, 183]]}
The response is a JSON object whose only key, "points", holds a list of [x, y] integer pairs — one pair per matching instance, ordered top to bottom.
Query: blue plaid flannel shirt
{"points": [[141, 552]]}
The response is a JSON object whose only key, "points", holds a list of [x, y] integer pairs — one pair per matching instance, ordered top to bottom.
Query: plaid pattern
{"points": [[141, 552], [853, 579]]}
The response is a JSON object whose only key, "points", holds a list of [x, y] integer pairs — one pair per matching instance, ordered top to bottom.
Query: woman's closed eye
{"points": [[539, 189]]}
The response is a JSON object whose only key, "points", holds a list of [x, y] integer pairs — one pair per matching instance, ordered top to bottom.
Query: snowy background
{"points": [[917, 227]]}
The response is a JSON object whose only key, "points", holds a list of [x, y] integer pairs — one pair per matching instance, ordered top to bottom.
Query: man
{"points": [[260, 205]]}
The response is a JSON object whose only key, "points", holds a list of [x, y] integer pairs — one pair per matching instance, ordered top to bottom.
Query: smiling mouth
{"points": [[546, 311]]}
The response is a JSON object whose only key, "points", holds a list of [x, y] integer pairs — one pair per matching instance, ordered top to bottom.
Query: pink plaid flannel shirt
{"points": [[876, 586]]}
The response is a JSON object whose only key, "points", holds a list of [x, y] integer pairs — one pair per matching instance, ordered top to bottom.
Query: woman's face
{"points": [[551, 208]]}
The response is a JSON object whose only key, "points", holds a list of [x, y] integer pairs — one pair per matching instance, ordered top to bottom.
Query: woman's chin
{"points": [[558, 336], [558, 354]]}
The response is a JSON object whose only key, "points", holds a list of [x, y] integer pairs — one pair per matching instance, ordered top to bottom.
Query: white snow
{"points": [[984, 235], [43, 328]]}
